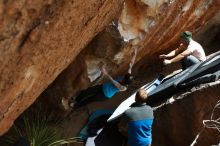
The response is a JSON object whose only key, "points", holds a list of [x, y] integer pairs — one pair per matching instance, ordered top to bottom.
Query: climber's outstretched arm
{"points": [[134, 54], [116, 84]]}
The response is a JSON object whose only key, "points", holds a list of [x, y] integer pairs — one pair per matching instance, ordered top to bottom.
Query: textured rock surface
{"points": [[163, 21], [39, 39], [179, 123]]}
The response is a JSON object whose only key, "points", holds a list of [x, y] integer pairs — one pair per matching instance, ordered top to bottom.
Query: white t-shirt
{"points": [[196, 50]]}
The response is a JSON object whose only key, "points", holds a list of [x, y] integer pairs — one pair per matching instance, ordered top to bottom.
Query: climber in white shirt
{"points": [[189, 52]]}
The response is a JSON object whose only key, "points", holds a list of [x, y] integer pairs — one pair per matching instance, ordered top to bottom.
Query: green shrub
{"points": [[37, 128]]}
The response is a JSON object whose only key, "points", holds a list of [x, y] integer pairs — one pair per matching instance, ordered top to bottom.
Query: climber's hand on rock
{"points": [[163, 56], [166, 62], [100, 64]]}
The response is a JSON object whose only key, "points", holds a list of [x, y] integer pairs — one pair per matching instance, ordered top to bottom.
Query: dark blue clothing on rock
{"points": [[97, 93], [140, 120]]}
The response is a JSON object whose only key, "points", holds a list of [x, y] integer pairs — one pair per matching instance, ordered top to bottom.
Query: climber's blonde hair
{"points": [[141, 95]]}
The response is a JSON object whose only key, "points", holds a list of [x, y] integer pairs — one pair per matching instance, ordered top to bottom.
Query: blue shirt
{"points": [[109, 88], [140, 117], [139, 132]]}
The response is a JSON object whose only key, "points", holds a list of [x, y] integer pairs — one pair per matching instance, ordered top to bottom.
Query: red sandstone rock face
{"points": [[160, 22], [39, 39], [177, 124]]}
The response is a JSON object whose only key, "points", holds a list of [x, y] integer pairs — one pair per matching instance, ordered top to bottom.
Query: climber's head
{"points": [[186, 36], [141, 96]]}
